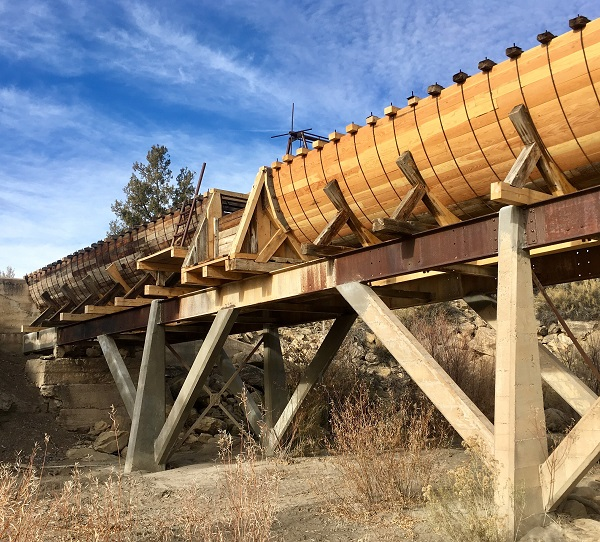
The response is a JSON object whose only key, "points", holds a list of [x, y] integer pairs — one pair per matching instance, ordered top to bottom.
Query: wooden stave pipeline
{"points": [[560, 84], [125, 249]]}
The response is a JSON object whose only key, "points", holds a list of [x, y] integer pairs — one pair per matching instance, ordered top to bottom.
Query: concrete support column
{"points": [[276, 395], [149, 408], [519, 427]]}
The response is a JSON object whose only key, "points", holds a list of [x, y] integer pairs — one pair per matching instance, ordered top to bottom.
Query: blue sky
{"points": [[87, 87]]}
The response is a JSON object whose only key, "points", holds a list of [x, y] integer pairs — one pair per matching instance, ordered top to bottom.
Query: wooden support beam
{"points": [[523, 166], [552, 174], [334, 193], [510, 195], [253, 199], [410, 201], [273, 203], [440, 212], [389, 225], [332, 228], [276, 240], [310, 249], [244, 265], [158, 266], [470, 269], [215, 272], [115, 274], [194, 277], [90, 284], [139, 286], [151, 290], [390, 291], [108, 296], [138, 302], [50, 303], [95, 309], [45, 314], [75, 317], [31, 329], [119, 372], [312, 374], [192, 386], [236, 386], [276, 395], [449, 399], [150, 405], [520, 445], [571, 459]]}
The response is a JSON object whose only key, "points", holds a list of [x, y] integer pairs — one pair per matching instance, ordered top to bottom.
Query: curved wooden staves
{"points": [[462, 140], [125, 250]]}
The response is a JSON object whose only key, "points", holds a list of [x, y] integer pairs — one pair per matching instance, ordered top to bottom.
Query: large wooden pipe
{"points": [[461, 137]]}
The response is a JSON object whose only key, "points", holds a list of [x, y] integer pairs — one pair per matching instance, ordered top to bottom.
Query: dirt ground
{"points": [[26, 421], [308, 488]]}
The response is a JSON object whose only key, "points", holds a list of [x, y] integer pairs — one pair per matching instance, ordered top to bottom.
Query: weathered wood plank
{"points": [[510, 195]]}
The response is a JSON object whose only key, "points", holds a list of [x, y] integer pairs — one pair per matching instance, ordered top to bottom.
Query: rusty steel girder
{"points": [[559, 220]]}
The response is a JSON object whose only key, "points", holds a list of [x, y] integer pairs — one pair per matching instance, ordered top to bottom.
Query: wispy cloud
{"points": [[87, 89]]}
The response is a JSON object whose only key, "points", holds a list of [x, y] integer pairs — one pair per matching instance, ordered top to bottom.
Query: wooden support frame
{"points": [[552, 174], [511, 191], [419, 192], [253, 200], [344, 215], [114, 272], [205, 359], [315, 370], [119, 372], [276, 395], [520, 445]]}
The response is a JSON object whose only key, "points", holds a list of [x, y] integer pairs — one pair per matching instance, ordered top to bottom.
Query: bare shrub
{"points": [[575, 301], [437, 328], [572, 358], [310, 428], [384, 452], [250, 492], [461, 505]]}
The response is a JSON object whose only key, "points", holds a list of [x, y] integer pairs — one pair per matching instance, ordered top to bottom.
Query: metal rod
{"points": [[193, 205], [587, 360]]}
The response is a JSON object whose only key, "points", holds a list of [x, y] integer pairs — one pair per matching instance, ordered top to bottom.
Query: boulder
{"points": [[253, 376], [6, 402], [557, 421], [209, 425], [110, 442], [88, 454], [574, 509], [552, 533]]}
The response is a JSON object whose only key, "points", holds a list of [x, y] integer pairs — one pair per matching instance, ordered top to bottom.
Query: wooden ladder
{"points": [[185, 215]]}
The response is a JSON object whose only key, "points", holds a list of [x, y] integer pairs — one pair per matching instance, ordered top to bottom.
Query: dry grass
{"points": [[310, 429], [384, 452], [461, 506], [87, 509]]}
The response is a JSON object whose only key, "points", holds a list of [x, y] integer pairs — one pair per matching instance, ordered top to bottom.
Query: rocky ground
{"points": [[307, 488]]}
